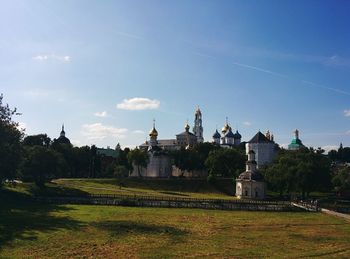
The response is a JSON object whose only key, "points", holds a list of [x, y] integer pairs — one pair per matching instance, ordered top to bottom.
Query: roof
{"points": [[186, 133], [216, 134], [229, 134], [237, 135], [259, 138], [63, 140], [296, 141], [107, 152], [251, 176]]}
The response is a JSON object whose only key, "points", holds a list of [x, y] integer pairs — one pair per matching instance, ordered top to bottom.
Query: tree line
{"points": [[39, 159]]}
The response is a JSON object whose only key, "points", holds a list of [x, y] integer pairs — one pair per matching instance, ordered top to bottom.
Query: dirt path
{"points": [[337, 214]]}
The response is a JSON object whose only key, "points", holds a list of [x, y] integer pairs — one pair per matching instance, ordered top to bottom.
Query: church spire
{"points": [[198, 128], [63, 133]]}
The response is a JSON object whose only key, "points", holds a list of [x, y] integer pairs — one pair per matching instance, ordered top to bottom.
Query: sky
{"points": [[106, 69]]}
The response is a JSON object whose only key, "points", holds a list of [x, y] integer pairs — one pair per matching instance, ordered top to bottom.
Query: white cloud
{"points": [[46, 57], [138, 103], [347, 113], [101, 114], [247, 123], [22, 126], [99, 131], [138, 132], [76, 142], [284, 145], [329, 148]]}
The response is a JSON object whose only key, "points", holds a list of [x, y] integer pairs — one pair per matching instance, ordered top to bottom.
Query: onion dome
{"points": [[225, 128], [153, 132], [229, 133], [216, 135], [237, 135]]}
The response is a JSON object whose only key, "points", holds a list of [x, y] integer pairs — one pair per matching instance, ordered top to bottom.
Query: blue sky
{"points": [[107, 68]]}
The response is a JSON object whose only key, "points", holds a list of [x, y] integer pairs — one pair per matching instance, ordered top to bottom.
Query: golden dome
{"points": [[187, 127], [225, 128], [153, 132]]}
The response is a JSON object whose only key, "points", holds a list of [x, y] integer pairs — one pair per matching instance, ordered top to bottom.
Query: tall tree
{"points": [[10, 138], [37, 140], [139, 158], [225, 162], [42, 164], [300, 171]]}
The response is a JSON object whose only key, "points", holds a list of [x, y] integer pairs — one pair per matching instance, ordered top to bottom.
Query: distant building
{"points": [[198, 128], [186, 138], [227, 138], [62, 139], [183, 139], [296, 143], [264, 148], [107, 152], [159, 164], [250, 184]]}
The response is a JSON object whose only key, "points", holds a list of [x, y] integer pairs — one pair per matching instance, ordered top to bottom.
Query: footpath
{"points": [[334, 213]]}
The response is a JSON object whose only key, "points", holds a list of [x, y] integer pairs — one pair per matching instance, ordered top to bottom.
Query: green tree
{"points": [[37, 140], [10, 146], [202, 151], [333, 155], [82, 158], [139, 158], [122, 159], [185, 160], [225, 162], [42, 164], [300, 171], [341, 180]]}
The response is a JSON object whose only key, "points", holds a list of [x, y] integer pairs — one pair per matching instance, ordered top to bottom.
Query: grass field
{"points": [[198, 188], [81, 231]]}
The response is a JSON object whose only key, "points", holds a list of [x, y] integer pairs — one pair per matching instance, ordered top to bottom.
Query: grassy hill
{"points": [[196, 188], [34, 230]]}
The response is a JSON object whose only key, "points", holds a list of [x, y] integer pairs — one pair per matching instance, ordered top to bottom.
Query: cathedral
{"points": [[227, 138], [62, 139], [184, 139], [159, 164]]}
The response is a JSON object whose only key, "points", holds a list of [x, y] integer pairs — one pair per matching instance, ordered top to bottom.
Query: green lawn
{"points": [[198, 188], [65, 231]]}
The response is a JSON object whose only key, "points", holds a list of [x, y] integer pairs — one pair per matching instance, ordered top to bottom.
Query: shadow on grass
{"points": [[53, 189], [22, 219], [122, 228]]}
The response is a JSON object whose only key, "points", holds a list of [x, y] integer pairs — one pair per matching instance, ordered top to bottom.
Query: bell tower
{"points": [[198, 128]]}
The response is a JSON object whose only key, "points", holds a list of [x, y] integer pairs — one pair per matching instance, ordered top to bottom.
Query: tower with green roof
{"points": [[296, 143]]}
